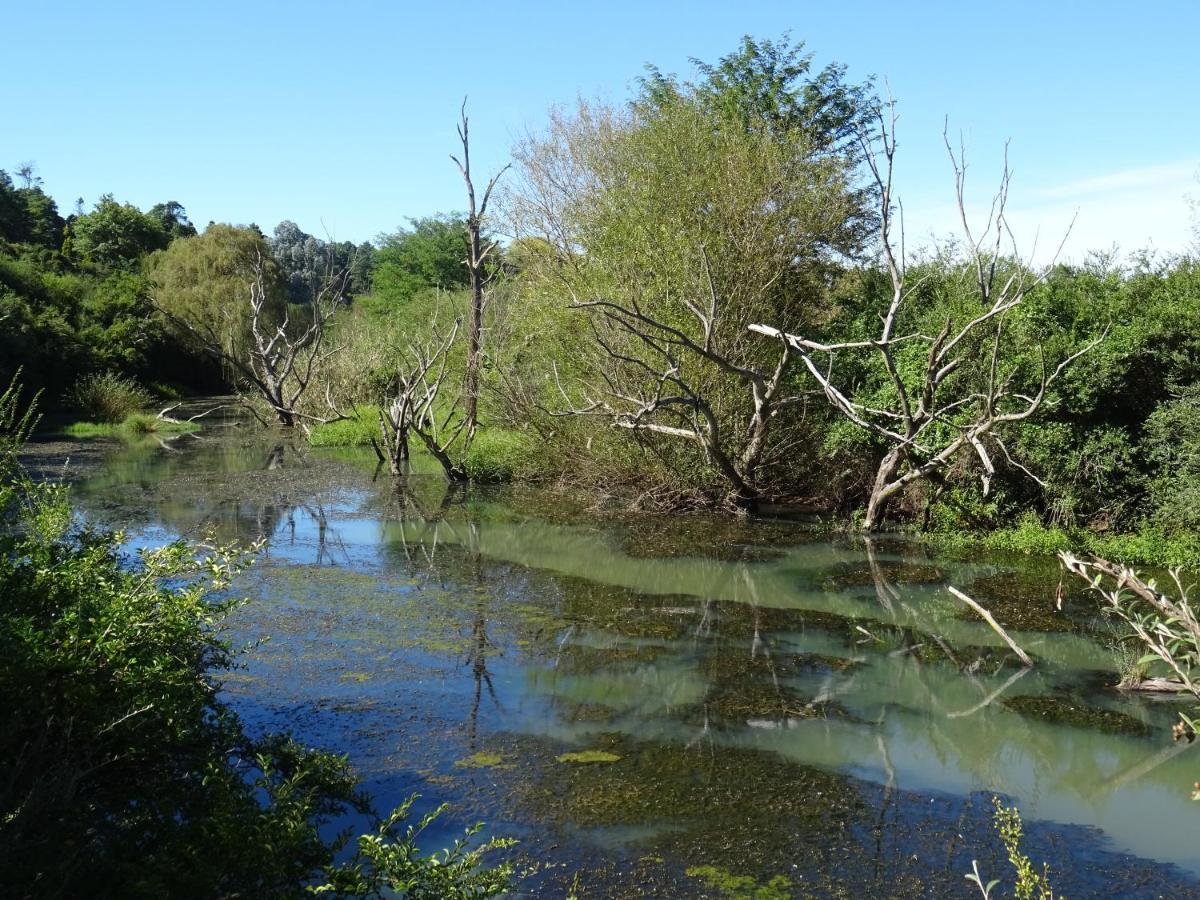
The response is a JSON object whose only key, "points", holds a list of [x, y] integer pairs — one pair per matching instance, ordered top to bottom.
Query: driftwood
{"points": [[987, 617]]}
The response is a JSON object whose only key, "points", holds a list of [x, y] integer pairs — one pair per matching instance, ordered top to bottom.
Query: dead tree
{"points": [[478, 251], [281, 359], [652, 388], [416, 406], [934, 419]]}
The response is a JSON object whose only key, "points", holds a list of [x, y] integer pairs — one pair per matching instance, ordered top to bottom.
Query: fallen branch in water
{"points": [[987, 616], [1157, 686]]}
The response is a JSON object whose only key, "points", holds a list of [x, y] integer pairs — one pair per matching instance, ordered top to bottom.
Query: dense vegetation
{"points": [[642, 242]]}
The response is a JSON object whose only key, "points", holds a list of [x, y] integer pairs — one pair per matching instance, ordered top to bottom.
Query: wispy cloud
{"points": [[1177, 177], [1132, 209]]}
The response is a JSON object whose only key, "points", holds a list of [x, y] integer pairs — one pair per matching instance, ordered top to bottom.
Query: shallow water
{"points": [[769, 700]]}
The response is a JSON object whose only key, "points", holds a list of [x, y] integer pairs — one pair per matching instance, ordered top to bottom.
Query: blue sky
{"points": [[340, 116]]}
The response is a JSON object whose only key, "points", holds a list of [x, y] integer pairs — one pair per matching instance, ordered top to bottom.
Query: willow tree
{"points": [[677, 221], [223, 293]]}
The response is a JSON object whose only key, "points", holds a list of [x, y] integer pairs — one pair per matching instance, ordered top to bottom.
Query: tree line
{"points": [[698, 298]]}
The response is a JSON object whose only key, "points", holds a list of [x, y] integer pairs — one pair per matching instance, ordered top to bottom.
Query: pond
{"points": [[672, 706]]}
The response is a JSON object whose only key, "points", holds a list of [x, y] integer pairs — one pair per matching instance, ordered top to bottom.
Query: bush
{"points": [[108, 397], [357, 431], [498, 455]]}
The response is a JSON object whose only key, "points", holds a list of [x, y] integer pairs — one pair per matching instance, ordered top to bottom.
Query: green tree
{"points": [[703, 205], [173, 219], [116, 235], [430, 253], [204, 281]]}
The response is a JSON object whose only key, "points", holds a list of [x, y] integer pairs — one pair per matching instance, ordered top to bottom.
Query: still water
{"points": [[812, 714]]}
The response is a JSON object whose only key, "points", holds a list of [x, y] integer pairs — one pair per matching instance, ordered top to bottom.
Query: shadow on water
{"points": [[656, 705]]}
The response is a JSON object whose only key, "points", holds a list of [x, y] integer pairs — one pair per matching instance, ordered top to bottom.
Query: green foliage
{"points": [[28, 215], [117, 235], [430, 253], [205, 281], [108, 397], [134, 425], [357, 431], [1172, 449], [499, 455], [1149, 546], [125, 774], [389, 863], [1030, 884]]}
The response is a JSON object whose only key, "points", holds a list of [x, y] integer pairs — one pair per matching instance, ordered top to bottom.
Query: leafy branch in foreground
{"points": [[1166, 626], [389, 863], [1030, 884]]}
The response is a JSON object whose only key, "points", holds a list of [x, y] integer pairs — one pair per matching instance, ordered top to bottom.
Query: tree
{"points": [[28, 215], [173, 219], [676, 223], [117, 235], [430, 253], [305, 261], [478, 273], [204, 281], [280, 357], [950, 394]]}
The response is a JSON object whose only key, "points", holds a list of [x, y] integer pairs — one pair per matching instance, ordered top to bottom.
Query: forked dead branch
{"points": [[281, 359], [933, 419]]}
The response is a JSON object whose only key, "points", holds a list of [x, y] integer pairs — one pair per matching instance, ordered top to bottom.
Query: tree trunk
{"points": [[475, 327], [883, 490]]}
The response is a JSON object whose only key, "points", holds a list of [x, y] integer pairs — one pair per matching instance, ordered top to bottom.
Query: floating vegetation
{"points": [[851, 575], [1026, 601], [1071, 712], [587, 757], [483, 760], [742, 887]]}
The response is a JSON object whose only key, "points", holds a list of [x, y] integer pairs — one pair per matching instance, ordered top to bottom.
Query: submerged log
{"points": [[987, 616], [1156, 685]]}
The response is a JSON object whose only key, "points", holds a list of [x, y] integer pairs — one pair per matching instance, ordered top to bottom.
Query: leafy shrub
{"points": [[108, 397], [357, 431], [498, 455], [388, 863]]}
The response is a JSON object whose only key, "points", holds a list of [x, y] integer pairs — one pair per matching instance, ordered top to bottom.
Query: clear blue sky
{"points": [[340, 116]]}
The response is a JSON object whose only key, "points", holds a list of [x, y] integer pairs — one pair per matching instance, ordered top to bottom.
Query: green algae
{"points": [[851, 575], [1027, 601], [1079, 715], [587, 757], [484, 759], [741, 887]]}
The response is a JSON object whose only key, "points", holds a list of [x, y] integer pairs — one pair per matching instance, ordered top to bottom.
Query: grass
{"points": [[108, 397], [134, 424], [353, 432], [498, 454], [1150, 546]]}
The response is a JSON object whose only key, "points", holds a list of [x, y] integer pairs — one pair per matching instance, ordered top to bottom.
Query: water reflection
{"points": [[739, 683]]}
